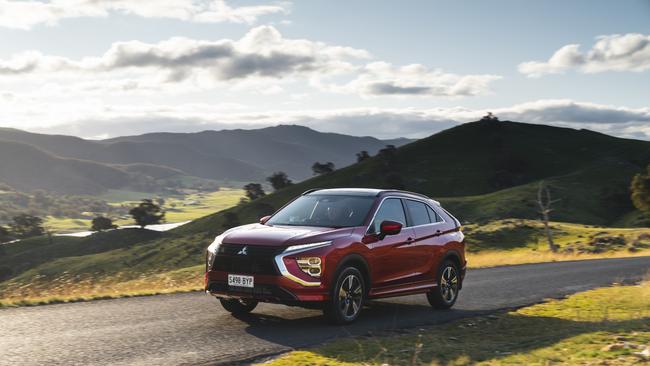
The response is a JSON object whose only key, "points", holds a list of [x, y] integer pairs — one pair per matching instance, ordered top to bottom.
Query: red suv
{"points": [[336, 248]]}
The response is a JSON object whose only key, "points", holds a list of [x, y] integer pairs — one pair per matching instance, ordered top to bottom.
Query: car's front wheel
{"points": [[445, 294], [347, 297], [238, 306]]}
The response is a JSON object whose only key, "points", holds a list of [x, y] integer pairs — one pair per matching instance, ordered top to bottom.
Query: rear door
{"points": [[428, 228]]}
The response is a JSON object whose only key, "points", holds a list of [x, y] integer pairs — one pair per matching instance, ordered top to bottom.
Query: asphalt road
{"points": [[193, 329]]}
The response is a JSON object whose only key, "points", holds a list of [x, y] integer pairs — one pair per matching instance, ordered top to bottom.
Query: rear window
{"points": [[418, 213], [433, 215]]}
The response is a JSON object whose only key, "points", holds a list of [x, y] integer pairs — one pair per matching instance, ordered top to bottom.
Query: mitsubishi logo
{"points": [[243, 251]]}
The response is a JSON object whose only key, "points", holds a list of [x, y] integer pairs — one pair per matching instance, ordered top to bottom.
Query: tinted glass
{"points": [[391, 209], [324, 210], [418, 212], [433, 215]]}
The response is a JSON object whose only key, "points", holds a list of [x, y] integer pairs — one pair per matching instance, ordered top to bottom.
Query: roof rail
{"points": [[310, 191], [407, 192]]}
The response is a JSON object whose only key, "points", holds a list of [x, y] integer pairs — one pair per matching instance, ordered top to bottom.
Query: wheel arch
{"points": [[454, 255], [360, 263]]}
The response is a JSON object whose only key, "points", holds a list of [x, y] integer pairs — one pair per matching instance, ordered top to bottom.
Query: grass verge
{"points": [[73, 288], [606, 326]]}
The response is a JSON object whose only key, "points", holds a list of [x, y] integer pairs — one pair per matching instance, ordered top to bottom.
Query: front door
{"points": [[393, 257]]}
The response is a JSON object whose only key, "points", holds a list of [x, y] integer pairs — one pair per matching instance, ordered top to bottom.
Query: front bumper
{"points": [[267, 288]]}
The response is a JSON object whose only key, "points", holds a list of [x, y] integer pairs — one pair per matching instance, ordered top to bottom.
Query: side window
{"points": [[391, 209], [418, 212], [433, 215]]}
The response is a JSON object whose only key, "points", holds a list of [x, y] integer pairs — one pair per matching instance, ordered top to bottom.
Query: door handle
{"points": [[409, 240]]}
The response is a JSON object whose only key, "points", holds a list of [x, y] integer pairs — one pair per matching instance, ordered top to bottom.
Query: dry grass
{"points": [[500, 258], [71, 288]]}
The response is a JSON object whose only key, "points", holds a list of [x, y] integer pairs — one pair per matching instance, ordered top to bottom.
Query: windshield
{"points": [[324, 210]]}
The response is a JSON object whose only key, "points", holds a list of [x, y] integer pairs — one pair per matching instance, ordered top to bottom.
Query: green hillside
{"points": [[27, 167], [589, 172]]}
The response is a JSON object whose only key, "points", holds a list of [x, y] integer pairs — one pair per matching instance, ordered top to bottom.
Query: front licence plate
{"points": [[240, 281]]}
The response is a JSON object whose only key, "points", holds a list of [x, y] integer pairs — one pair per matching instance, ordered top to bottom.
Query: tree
{"points": [[489, 117], [388, 153], [362, 155], [320, 169], [279, 180], [254, 191], [641, 191], [42, 199], [160, 201], [545, 202], [147, 213], [101, 223], [25, 226], [4, 235]]}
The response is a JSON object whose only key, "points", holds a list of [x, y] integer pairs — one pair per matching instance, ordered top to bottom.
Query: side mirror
{"points": [[264, 219], [389, 228]]}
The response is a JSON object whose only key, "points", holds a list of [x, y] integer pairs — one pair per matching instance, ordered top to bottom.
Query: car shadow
{"points": [[378, 317], [514, 333], [484, 339]]}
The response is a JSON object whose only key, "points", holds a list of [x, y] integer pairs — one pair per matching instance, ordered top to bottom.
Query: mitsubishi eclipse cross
{"points": [[334, 249]]}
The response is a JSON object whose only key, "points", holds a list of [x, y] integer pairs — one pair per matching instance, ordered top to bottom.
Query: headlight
{"points": [[302, 247], [212, 252], [310, 265]]}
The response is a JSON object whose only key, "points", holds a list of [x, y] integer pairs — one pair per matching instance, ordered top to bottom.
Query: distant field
{"points": [[177, 208], [519, 241], [141, 262], [606, 326]]}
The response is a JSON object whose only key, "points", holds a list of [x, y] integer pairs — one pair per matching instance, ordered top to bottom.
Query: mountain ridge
{"points": [[227, 155]]}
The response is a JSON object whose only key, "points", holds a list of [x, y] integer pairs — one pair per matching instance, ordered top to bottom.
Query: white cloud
{"points": [[25, 14], [262, 52], [627, 52], [257, 61], [92, 117]]}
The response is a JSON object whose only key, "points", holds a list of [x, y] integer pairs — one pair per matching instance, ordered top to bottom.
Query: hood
{"points": [[258, 234]]}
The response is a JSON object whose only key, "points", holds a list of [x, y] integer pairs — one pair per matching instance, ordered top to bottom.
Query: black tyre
{"points": [[445, 294], [347, 297], [238, 306]]}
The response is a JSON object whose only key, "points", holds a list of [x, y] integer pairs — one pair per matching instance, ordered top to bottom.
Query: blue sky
{"points": [[382, 68]]}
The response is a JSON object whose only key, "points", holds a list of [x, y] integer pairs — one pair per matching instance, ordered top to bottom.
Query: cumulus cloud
{"points": [[25, 14], [627, 52], [262, 55], [384, 79]]}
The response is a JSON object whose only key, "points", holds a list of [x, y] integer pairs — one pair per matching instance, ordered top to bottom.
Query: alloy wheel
{"points": [[449, 284], [350, 297]]}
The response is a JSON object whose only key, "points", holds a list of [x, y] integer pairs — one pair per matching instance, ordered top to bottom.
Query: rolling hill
{"points": [[235, 155], [28, 168], [587, 171]]}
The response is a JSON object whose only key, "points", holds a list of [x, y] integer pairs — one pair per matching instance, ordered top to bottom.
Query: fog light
{"points": [[310, 265]]}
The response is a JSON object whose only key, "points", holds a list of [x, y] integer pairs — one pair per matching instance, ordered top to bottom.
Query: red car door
{"points": [[429, 241], [392, 256]]}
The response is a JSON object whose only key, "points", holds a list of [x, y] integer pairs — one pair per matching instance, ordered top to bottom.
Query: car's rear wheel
{"points": [[445, 294], [347, 297], [238, 306]]}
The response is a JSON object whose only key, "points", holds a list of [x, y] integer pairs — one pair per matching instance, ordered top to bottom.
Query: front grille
{"points": [[255, 259]]}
